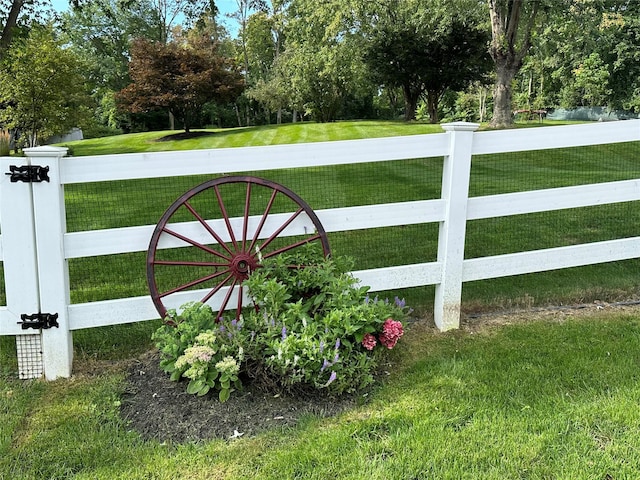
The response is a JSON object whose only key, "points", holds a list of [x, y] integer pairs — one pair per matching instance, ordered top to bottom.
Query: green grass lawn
{"points": [[250, 136], [555, 397], [542, 399]]}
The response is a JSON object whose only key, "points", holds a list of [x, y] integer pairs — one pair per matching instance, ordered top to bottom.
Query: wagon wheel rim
{"points": [[222, 249]]}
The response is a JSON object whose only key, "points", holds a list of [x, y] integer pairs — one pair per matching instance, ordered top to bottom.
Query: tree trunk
{"points": [[510, 43], [410, 103], [482, 104], [432, 106], [238, 114], [502, 114]]}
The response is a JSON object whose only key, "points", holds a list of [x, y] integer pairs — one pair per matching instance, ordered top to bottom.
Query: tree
{"points": [[168, 12], [13, 15], [512, 25], [101, 33], [262, 43], [585, 55], [321, 58], [425, 63], [179, 78], [590, 85], [41, 89]]}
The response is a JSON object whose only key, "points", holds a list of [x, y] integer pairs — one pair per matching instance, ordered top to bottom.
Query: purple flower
{"points": [[366, 299], [400, 303], [234, 322], [222, 328], [284, 332], [337, 344], [321, 346], [336, 358], [325, 364], [332, 377]]}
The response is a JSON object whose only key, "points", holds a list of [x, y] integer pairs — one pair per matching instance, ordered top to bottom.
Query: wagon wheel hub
{"points": [[242, 264]]}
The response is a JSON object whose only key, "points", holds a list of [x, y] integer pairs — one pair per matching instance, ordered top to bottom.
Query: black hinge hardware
{"points": [[28, 173], [39, 320]]}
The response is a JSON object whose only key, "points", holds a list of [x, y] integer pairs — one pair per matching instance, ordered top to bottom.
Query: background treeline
{"points": [[113, 66]]}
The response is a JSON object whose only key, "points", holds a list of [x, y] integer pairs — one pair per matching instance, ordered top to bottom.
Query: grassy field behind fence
{"points": [[142, 202], [544, 399]]}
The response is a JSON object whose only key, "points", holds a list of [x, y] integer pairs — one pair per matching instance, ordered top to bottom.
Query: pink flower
{"points": [[391, 333], [369, 341]]}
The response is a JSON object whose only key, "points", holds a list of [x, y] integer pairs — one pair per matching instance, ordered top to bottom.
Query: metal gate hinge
{"points": [[28, 173], [39, 320]]}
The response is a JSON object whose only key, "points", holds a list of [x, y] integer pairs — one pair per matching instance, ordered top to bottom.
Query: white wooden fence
{"points": [[36, 247]]}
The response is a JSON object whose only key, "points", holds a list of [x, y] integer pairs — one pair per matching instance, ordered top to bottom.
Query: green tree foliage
{"points": [[16, 16], [101, 33], [263, 45], [586, 56], [322, 58], [424, 63], [179, 78], [590, 85], [42, 91]]}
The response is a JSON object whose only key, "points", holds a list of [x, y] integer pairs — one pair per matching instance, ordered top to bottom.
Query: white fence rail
{"points": [[36, 246]]}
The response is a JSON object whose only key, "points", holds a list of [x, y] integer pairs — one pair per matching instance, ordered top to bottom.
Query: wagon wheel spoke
{"points": [[225, 216], [262, 220], [245, 223], [212, 232], [275, 234], [194, 243], [291, 247], [179, 263], [206, 263], [192, 284], [215, 290], [223, 305]]}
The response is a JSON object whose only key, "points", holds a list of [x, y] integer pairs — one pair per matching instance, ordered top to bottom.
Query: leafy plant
{"points": [[314, 328], [179, 333], [192, 345]]}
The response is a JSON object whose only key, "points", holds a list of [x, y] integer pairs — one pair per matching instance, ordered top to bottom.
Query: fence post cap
{"points": [[460, 127], [46, 151]]}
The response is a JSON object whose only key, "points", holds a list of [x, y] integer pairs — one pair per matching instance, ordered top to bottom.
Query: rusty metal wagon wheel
{"points": [[212, 237]]}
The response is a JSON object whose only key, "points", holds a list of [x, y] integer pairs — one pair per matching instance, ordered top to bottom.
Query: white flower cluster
{"points": [[196, 358], [228, 365]]}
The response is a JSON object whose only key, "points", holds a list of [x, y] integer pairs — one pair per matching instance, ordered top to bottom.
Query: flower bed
{"points": [[314, 328]]}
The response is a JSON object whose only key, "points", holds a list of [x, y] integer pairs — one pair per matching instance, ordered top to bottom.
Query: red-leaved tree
{"points": [[179, 78]]}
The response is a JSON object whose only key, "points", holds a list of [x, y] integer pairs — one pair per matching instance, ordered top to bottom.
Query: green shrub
{"points": [[313, 329]]}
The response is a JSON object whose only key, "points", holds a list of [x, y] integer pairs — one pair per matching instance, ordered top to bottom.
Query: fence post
{"points": [[451, 237], [20, 267], [53, 272]]}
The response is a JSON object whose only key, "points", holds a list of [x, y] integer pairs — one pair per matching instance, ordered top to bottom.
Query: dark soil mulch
{"points": [[161, 409]]}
